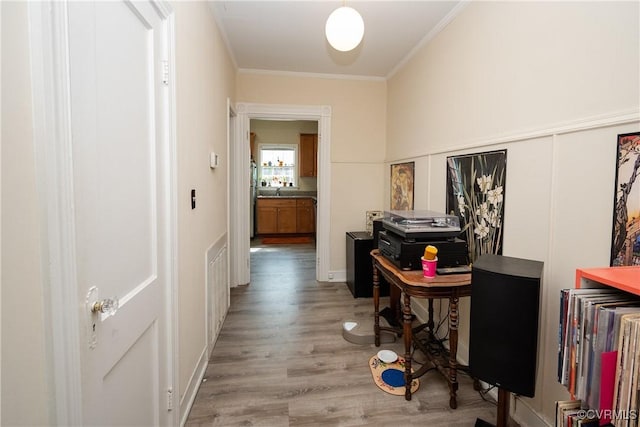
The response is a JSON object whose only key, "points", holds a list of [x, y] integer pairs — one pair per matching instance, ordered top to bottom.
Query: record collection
{"points": [[599, 355]]}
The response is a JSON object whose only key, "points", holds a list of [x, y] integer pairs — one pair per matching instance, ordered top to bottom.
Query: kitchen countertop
{"points": [[286, 193], [286, 197]]}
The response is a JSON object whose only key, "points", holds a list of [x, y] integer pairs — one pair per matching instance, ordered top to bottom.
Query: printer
{"points": [[405, 234]]}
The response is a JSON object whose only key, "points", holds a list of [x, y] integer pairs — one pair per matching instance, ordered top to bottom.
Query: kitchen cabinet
{"points": [[308, 154], [285, 215], [276, 216], [305, 216], [266, 218]]}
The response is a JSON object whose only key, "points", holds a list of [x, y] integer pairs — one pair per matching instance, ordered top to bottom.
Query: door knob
{"points": [[106, 306]]}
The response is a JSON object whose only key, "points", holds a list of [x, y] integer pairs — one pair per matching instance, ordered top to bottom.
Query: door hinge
{"points": [[165, 73], [170, 399]]}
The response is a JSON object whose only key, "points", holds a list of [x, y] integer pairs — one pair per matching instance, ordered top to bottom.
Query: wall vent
{"points": [[217, 290]]}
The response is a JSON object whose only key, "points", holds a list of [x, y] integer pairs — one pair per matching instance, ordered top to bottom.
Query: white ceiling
{"points": [[288, 36]]}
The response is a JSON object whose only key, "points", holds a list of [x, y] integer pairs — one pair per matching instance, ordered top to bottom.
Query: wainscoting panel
{"points": [[217, 278]]}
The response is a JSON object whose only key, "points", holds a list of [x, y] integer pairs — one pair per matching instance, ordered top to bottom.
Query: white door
{"points": [[117, 60]]}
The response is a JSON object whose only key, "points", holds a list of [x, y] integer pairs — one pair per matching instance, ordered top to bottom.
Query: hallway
{"points": [[280, 359]]}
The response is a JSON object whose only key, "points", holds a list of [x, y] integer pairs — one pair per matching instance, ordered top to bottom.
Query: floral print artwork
{"points": [[475, 193]]}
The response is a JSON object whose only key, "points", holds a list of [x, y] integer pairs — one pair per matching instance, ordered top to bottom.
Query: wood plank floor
{"points": [[281, 360]]}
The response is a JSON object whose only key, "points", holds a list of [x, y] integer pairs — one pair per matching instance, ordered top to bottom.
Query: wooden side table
{"points": [[413, 284]]}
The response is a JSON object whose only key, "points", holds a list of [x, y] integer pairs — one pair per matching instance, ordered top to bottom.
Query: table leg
{"points": [[394, 302], [376, 305], [430, 323], [408, 336], [453, 351]]}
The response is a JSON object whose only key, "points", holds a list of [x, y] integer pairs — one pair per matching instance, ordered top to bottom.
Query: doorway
{"points": [[240, 182], [283, 190]]}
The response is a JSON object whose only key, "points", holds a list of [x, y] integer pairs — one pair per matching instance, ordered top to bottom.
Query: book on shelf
{"points": [[571, 324], [568, 327], [589, 336], [595, 340], [599, 351], [626, 370], [607, 383], [635, 387], [564, 409], [571, 413]]}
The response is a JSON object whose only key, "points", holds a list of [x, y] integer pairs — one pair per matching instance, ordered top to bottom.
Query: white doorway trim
{"points": [[50, 79], [232, 132], [239, 185], [238, 200]]}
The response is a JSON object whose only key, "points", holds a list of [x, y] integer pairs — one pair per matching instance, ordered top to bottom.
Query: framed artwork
{"points": [[402, 180], [475, 193], [625, 242]]}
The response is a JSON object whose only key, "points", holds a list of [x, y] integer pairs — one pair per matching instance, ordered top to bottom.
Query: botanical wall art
{"points": [[402, 175], [475, 193], [625, 245]]}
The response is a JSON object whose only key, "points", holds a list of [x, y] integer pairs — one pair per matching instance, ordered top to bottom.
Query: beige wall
{"points": [[521, 56], [205, 79], [553, 83], [357, 141], [25, 393]]}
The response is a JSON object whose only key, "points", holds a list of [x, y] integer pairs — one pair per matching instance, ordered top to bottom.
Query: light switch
{"points": [[213, 160]]}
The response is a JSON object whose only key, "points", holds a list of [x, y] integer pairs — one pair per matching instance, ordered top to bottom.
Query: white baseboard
{"points": [[338, 276], [192, 387], [525, 416]]}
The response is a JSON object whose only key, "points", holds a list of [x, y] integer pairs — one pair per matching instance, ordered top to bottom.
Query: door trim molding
{"points": [[165, 10], [51, 98], [248, 111], [52, 142]]}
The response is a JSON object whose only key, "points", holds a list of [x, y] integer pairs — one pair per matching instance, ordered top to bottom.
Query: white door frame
{"points": [[48, 31], [232, 136], [239, 184]]}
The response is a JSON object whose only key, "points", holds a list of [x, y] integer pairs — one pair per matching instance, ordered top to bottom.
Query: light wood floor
{"points": [[281, 360]]}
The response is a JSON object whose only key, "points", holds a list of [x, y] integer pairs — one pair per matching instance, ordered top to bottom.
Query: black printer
{"points": [[405, 234]]}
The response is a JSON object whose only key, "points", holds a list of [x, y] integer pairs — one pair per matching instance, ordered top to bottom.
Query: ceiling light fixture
{"points": [[344, 28]]}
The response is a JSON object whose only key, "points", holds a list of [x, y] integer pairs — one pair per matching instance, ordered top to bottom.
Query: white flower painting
{"points": [[475, 193]]}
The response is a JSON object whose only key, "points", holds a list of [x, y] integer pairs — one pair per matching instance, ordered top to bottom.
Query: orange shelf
{"points": [[623, 278]]}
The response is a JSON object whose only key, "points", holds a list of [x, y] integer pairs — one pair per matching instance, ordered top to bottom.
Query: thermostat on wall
{"points": [[213, 160]]}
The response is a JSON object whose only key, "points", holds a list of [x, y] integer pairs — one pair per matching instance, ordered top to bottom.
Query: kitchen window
{"points": [[278, 165]]}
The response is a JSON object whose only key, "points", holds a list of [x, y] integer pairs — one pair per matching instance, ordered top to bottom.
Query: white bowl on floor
{"points": [[387, 356]]}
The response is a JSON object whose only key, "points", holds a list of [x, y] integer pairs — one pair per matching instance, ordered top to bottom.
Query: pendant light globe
{"points": [[344, 29]]}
